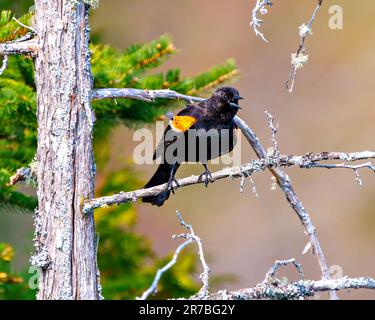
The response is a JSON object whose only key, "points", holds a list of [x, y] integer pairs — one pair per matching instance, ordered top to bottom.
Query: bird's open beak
{"points": [[238, 98], [234, 106]]}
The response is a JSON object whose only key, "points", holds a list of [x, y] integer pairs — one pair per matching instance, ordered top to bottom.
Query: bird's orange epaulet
{"points": [[182, 123]]}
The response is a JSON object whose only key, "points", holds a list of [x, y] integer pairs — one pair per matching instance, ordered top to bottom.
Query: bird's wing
{"points": [[180, 123], [164, 143]]}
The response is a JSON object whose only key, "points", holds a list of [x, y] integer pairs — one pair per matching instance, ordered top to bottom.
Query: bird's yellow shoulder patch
{"points": [[182, 123]]}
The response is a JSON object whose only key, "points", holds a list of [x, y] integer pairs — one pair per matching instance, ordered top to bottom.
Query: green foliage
{"points": [[17, 6], [11, 29], [127, 68], [18, 127], [126, 260], [128, 264], [12, 285]]}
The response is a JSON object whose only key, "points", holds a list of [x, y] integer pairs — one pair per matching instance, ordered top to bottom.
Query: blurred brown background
{"points": [[331, 109]]}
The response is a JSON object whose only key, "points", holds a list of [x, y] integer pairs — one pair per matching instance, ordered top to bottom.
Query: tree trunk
{"points": [[65, 238]]}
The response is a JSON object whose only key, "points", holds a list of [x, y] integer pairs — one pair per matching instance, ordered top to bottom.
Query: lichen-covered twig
{"points": [[255, 23], [24, 26], [28, 47], [299, 58], [4, 64], [138, 94], [273, 127], [272, 162], [355, 168], [189, 238], [280, 263], [273, 288], [299, 290]]}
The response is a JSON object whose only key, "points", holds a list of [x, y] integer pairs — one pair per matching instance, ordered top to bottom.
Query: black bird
{"points": [[202, 131]]}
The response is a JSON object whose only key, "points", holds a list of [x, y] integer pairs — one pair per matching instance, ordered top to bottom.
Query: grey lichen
{"points": [[92, 3], [41, 257]]}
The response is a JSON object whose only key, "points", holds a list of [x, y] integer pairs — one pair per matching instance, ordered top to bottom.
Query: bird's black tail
{"points": [[162, 175]]}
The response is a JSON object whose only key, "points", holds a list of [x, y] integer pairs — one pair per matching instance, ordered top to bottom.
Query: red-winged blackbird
{"points": [[210, 122]]}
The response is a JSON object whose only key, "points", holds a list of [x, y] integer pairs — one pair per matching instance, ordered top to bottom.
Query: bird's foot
{"points": [[207, 177], [172, 180]]}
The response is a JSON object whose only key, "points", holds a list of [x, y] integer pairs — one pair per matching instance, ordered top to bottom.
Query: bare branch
{"points": [[260, 8], [24, 26], [28, 47], [299, 58], [4, 64], [138, 94], [273, 126], [272, 162], [22, 174], [25, 174], [285, 184], [123, 197], [190, 237], [280, 263], [274, 288], [299, 290]]}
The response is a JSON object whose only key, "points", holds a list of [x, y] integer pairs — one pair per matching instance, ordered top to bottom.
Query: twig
{"points": [[260, 8], [24, 26], [27, 36], [299, 58], [4, 64], [273, 126], [355, 168], [27, 174], [253, 188], [190, 237], [279, 263], [160, 272], [205, 275]]}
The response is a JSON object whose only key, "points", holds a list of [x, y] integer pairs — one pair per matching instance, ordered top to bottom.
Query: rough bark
{"points": [[65, 238]]}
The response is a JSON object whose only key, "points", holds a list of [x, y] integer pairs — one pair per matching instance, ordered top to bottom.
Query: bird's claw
{"points": [[207, 177], [170, 185]]}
